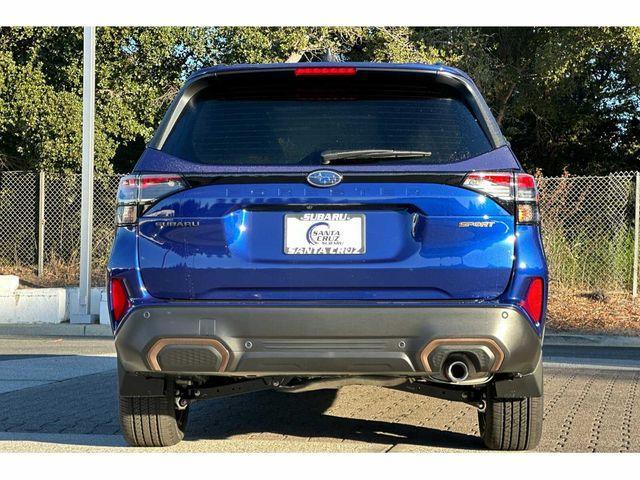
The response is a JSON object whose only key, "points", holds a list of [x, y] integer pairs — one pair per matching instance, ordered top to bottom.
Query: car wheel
{"points": [[152, 421], [512, 424]]}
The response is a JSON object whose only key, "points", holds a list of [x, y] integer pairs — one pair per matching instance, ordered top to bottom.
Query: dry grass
{"points": [[56, 274], [593, 312]]}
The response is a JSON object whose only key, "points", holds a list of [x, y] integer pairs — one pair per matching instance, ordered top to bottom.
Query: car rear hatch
{"points": [[250, 220]]}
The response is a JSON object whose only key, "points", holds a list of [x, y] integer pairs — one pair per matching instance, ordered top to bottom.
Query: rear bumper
{"points": [[213, 340]]}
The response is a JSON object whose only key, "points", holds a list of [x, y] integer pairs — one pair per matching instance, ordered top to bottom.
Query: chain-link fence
{"points": [[30, 204], [18, 219], [587, 228]]}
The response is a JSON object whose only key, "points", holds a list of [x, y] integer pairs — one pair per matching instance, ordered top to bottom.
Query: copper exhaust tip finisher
{"points": [[487, 342], [152, 355]]}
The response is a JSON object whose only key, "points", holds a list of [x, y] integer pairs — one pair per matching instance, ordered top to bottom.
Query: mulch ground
{"points": [[593, 312]]}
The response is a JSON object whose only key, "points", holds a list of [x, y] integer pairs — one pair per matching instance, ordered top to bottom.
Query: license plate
{"points": [[324, 234]]}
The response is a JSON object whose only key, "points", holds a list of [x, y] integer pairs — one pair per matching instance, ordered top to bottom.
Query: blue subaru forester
{"points": [[297, 227]]}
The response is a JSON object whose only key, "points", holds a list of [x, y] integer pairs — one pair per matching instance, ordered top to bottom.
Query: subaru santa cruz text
{"points": [[297, 227]]}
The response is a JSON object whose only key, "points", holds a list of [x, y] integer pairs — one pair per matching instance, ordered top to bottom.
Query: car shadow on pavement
{"points": [[82, 411], [303, 415]]}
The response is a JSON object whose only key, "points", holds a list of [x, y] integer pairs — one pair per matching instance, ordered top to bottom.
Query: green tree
{"points": [[138, 71], [566, 98]]}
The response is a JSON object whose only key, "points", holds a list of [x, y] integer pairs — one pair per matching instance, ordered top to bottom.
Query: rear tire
{"points": [[152, 421], [512, 424]]}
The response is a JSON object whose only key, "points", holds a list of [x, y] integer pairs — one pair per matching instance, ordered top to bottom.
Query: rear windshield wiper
{"points": [[334, 156]]}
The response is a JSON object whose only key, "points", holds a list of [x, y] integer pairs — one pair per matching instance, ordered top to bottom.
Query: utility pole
{"points": [[86, 213], [41, 220]]}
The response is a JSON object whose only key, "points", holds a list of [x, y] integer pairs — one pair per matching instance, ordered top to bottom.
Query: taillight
{"points": [[325, 71], [494, 184], [519, 189], [137, 191], [527, 199], [118, 299], [532, 301]]}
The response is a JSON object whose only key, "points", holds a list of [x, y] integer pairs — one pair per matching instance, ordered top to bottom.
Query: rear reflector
{"points": [[325, 71], [119, 299], [532, 302]]}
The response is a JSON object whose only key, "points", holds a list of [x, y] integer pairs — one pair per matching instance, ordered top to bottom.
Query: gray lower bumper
{"points": [[318, 340]]}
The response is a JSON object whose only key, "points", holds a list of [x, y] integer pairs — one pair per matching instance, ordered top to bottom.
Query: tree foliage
{"points": [[567, 98]]}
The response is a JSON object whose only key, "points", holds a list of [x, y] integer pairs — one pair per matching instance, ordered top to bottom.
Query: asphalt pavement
{"points": [[59, 394]]}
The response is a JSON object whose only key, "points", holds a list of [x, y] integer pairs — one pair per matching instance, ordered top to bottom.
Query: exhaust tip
{"points": [[457, 371]]}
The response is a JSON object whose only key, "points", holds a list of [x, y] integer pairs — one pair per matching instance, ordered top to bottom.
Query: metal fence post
{"points": [[41, 221], [636, 237]]}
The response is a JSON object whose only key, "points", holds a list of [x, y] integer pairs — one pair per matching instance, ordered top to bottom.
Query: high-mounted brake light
{"points": [[325, 71], [518, 188], [137, 191], [118, 299], [532, 301]]}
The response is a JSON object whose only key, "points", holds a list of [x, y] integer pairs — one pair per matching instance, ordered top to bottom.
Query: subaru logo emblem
{"points": [[324, 178]]}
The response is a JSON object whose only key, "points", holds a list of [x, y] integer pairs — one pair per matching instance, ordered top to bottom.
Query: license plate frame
{"points": [[324, 233]]}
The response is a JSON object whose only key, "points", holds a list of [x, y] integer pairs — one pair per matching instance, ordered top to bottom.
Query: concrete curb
{"points": [[46, 305], [54, 330], [585, 340]]}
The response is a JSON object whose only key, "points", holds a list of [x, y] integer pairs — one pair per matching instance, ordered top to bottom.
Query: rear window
{"points": [[283, 120]]}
